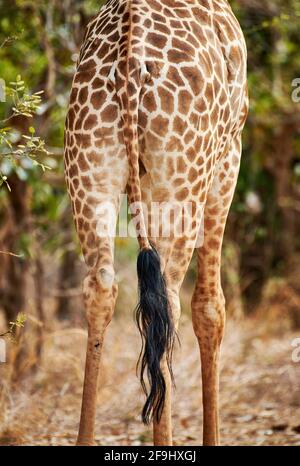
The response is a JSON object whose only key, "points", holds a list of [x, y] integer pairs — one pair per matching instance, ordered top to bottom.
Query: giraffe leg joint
{"points": [[106, 277], [99, 291], [175, 305], [208, 315]]}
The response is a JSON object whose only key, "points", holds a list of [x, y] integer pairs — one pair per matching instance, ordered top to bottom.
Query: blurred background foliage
{"points": [[39, 42]]}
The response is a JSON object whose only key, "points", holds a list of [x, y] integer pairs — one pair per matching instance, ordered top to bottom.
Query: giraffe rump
{"points": [[156, 328]]}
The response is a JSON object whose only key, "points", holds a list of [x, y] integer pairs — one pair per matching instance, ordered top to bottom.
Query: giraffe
{"points": [[157, 107]]}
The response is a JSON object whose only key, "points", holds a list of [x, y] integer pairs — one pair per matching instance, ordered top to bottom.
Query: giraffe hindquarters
{"points": [[208, 304]]}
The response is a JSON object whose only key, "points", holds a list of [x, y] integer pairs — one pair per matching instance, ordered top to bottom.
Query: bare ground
{"points": [[260, 397]]}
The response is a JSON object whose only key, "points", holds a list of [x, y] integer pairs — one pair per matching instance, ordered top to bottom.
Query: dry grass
{"points": [[260, 399]]}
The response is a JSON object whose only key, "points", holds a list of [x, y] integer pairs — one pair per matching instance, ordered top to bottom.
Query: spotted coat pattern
{"points": [[157, 107]]}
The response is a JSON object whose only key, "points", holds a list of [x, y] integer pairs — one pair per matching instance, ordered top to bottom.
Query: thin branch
{"points": [[11, 254]]}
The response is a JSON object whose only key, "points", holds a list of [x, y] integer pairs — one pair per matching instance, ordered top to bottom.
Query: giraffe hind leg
{"points": [[96, 180], [178, 253], [99, 292], [208, 304]]}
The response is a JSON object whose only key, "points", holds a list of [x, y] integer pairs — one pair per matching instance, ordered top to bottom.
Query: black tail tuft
{"points": [[156, 328]]}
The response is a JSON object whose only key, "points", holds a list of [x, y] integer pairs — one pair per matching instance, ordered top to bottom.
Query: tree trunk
{"points": [[281, 169], [14, 270], [69, 277]]}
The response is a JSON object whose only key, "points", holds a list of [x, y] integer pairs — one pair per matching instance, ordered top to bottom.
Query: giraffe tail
{"points": [[153, 314], [156, 328]]}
